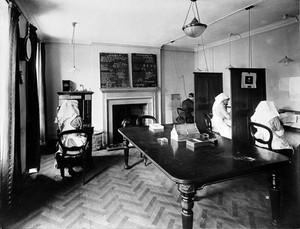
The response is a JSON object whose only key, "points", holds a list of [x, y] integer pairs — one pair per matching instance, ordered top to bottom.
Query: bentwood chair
{"points": [[181, 115], [129, 120], [143, 120], [207, 120], [253, 127], [72, 155]]}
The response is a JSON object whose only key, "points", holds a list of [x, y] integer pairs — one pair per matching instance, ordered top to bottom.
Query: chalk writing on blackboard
{"points": [[144, 70], [114, 71]]}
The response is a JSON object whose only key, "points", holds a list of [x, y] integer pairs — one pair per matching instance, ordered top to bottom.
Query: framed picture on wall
{"points": [[248, 80]]}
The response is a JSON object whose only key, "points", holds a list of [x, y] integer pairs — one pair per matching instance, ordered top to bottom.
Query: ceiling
{"points": [[149, 22]]}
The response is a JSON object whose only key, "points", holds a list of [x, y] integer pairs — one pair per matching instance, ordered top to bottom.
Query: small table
{"points": [[194, 169]]}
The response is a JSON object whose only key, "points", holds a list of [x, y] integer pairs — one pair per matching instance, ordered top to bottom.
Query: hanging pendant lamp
{"points": [[195, 28], [286, 60], [73, 69]]}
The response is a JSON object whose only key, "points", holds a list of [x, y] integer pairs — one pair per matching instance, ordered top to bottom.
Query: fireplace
{"points": [[133, 104], [121, 111]]}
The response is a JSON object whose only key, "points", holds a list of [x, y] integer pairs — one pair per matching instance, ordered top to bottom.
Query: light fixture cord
{"points": [[197, 12], [187, 14], [286, 35], [73, 43], [250, 45], [229, 48], [204, 53], [177, 73]]}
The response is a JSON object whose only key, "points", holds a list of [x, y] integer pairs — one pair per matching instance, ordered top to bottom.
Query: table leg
{"points": [[126, 153], [187, 192], [275, 197]]}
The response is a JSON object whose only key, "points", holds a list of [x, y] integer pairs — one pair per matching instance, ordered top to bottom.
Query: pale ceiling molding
{"points": [[263, 29]]}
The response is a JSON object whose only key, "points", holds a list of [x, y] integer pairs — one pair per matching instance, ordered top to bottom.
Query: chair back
{"points": [[179, 110], [181, 115], [129, 120], [141, 120], [207, 120], [253, 126], [80, 149]]}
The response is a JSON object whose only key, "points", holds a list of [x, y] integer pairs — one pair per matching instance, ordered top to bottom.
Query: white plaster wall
{"points": [[267, 49], [59, 62], [178, 78], [98, 99]]}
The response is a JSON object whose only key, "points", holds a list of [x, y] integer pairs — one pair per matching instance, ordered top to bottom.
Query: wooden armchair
{"points": [[207, 120], [141, 121], [255, 140], [71, 153]]}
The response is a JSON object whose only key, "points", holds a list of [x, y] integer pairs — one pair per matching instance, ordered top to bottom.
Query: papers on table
{"points": [[156, 127], [182, 132]]}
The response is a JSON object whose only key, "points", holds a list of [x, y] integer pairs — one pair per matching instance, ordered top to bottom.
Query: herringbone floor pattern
{"points": [[142, 197]]}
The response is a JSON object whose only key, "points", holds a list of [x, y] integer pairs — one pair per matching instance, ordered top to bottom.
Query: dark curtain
{"points": [[32, 107], [11, 128]]}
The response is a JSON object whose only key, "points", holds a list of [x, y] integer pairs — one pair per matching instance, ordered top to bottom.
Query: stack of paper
{"points": [[156, 127], [181, 132], [197, 142]]}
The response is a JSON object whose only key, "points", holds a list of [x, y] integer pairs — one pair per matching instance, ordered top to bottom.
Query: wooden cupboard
{"points": [[207, 86], [245, 96]]}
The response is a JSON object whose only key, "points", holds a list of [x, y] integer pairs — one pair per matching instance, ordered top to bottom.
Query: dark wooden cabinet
{"points": [[207, 86], [84, 99], [244, 100]]}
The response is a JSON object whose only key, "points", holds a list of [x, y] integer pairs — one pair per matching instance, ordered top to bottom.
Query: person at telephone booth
{"points": [[188, 107], [267, 115], [221, 120]]}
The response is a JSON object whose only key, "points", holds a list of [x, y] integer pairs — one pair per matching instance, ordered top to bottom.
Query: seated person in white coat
{"points": [[267, 115], [221, 120]]}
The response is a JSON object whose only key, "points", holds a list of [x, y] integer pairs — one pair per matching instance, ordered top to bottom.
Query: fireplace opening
{"points": [[122, 111]]}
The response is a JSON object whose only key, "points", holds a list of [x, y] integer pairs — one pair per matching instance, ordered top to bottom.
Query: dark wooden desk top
{"points": [[207, 164]]}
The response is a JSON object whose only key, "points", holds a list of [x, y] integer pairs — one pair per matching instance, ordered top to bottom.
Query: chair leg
{"points": [[145, 160], [62, 172]]}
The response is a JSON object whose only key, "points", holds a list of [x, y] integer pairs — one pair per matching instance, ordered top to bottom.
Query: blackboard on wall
{"points": [[114, 70], [144, 70]]}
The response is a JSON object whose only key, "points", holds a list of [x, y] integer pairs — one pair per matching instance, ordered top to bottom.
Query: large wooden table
{"points": [[192, 170]]}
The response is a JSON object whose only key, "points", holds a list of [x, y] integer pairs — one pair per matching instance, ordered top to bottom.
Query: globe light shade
{"points": [[194, 29]]}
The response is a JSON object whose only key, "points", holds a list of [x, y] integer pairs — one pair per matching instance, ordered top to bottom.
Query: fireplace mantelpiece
{"points": [[121, 97]]}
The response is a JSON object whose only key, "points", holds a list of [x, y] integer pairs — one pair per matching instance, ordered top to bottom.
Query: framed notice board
{"points": [[114, 70], [144, 70]]}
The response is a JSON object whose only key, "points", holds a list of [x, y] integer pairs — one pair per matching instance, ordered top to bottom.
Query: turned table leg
{"points": [[126, 153], [187, 192], [275, 197]]}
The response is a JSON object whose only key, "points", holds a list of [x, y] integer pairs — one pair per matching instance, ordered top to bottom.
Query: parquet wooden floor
{"points": [[142, 197]]}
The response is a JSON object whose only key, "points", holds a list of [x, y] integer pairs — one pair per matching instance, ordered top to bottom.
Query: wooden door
{"points": [[207, 86], [244, 100]]}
